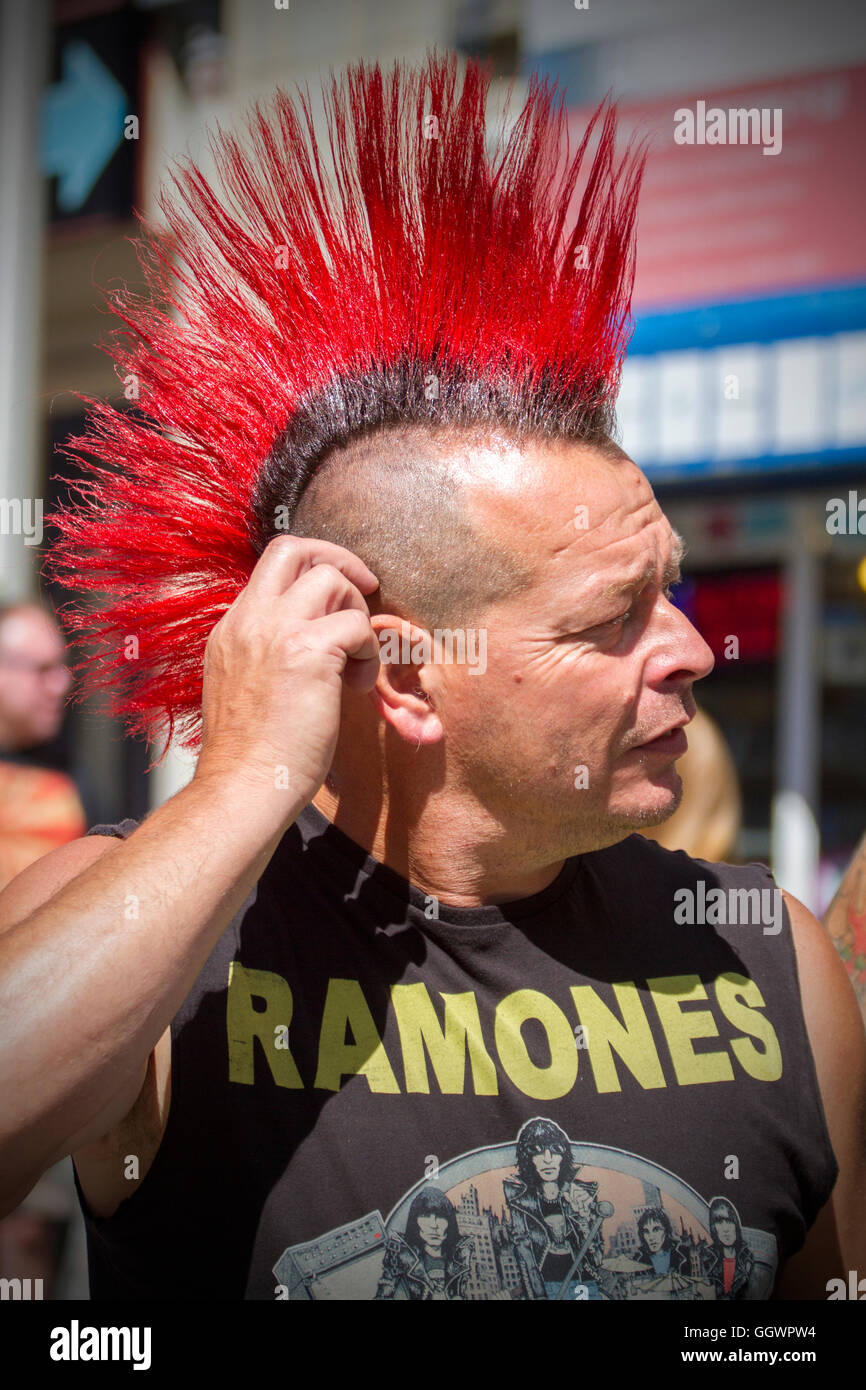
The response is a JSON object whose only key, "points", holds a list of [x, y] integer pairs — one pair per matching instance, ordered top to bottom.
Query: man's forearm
{"points": [[845, 920], [90, 981]]}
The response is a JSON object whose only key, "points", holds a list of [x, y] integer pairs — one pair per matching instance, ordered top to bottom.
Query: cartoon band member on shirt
{"points": [[556, 1220], [552, 1226], [659, 1248], [430, 1260], [729, 1262]]}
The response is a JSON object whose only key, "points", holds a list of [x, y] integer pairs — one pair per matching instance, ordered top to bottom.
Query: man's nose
{"points": [[681, 648], [702, 661]]}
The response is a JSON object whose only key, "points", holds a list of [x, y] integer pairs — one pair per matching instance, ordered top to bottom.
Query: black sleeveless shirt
{"points": [[601, 1091]]}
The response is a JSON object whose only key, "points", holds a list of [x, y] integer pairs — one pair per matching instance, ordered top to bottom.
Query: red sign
{"points": [[723, 219], [742, 604]]}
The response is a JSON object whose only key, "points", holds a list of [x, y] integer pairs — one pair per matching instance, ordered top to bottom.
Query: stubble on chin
{"points": [[655, 815], [609, 825]]}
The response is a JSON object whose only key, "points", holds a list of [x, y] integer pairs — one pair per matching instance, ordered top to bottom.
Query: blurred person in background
{"points": [[40, 809], [707, 821], [845, 920]]}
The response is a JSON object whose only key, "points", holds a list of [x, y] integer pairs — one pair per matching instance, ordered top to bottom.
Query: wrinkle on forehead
{"points": [[529, 498], [648, 571]]}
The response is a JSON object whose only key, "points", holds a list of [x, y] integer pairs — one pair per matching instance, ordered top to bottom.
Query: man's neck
{"points": [[440, 851]]}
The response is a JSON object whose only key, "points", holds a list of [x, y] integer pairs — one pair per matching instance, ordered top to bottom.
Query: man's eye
{"points": [[617, 622], [609, 624]]}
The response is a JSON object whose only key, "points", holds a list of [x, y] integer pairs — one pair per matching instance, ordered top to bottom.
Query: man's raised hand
{"points": [[275, 665]]}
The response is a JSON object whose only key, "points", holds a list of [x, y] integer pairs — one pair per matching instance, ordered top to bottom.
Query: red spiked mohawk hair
{"points": [[315, 305]]}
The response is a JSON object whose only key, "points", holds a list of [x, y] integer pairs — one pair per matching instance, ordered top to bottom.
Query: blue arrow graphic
{"points": [[82, 124]]}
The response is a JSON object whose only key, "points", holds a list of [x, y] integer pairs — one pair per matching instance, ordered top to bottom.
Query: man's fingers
{"points": [[288, 557], [321, 590], [350, 630], [362, 675]]}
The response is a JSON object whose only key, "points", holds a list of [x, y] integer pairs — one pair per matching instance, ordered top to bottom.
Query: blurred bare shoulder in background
{"points": [[845, 920]]}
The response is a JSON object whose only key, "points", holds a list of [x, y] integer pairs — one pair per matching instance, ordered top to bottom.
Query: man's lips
{"points": [[671, 741], [674, 744]]}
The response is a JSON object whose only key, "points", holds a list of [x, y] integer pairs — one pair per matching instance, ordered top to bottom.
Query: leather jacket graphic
{"points": [[533, 1236], [405, 1275]]}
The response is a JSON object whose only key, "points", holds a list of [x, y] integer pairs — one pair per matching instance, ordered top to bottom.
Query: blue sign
{"points": [[82, 124], [745, 387]]}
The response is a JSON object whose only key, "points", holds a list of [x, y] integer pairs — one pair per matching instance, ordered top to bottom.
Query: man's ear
{"points": [[400, 694]]}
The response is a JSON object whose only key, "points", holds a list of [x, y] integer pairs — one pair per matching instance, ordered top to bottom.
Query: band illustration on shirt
{"points": [[541, 1217]]}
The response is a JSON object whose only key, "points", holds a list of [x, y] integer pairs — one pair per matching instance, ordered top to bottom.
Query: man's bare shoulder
{"points": [[36, 884], [829, 1003], [838, 1044]]}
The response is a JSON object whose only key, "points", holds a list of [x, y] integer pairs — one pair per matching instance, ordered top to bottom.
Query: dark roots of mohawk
{"points": [[408, 393]]}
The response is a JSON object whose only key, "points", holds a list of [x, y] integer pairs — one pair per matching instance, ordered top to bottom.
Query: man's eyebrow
{"points": [[678, 551], [671, 572]]}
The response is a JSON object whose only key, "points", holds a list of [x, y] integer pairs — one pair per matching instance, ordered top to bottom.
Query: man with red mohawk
{"points": [[390, 1001]]}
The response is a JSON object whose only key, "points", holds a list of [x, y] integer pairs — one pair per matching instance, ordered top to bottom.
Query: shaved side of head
{"points": [[396, 498]]}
